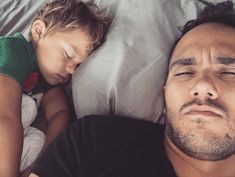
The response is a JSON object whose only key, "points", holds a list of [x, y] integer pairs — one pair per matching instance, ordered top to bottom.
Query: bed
{"points": [[126, 74]]}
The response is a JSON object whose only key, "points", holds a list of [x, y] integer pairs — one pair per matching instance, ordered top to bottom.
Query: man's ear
{"points": [[38, 29]]}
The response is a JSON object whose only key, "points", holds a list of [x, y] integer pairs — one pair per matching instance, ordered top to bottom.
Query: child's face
{"points": [[60, 53]]}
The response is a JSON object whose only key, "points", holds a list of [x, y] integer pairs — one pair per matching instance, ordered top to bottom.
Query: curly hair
{"points": [[218, 13], [222, 13], [66, 15]]}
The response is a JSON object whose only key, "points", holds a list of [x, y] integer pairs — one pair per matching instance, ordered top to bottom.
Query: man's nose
{"points": [[204, 88]]}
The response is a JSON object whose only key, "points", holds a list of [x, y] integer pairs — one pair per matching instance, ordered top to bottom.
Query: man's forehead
{"points": [[208, 31], [206, 37]]}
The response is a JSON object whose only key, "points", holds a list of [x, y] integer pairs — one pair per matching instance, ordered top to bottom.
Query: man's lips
{"points": [[203, 110]]}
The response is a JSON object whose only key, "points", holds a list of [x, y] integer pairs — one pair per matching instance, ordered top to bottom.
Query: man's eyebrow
{"points": [[225, 60], [182, 62]]}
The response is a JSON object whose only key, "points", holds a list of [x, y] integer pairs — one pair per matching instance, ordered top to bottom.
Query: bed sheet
{"points": [[125, 76]]}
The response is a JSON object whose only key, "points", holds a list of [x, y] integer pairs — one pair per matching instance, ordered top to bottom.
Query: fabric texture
{"points": [[17, 15], [17, 57], [18, 60], [125, 76], [29, 111], [34, 139], [107, 146]]}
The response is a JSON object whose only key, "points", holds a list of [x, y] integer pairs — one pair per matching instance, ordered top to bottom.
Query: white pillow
{"points": [[125, 76]]}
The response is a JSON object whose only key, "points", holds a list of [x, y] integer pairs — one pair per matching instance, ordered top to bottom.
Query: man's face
{"points": [[60, 53], [200, 93]]}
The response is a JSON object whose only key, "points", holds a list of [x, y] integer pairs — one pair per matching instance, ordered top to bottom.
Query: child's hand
{"points": [[26, 172]]}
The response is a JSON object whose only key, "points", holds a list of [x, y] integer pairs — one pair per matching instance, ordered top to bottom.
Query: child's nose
{"points": [[71, 67]]}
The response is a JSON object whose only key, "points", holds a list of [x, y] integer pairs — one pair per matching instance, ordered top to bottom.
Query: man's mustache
{"points": [[207, 102]]}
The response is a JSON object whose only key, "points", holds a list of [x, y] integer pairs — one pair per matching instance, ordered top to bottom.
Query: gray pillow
{"points": [[126, 74]]}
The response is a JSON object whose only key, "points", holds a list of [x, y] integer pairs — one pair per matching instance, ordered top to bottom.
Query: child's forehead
{"points": [[77, 40]]}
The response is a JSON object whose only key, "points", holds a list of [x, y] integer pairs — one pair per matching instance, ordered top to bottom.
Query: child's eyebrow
{"points": [[76, 49], [79, 51], [183, 62]]}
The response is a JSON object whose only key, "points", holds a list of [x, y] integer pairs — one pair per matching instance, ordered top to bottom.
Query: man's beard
{"points": [[210, 148]]}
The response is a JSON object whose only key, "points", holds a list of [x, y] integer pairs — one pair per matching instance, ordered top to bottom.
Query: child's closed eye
{"points": [[67, 55], [184, 73]]}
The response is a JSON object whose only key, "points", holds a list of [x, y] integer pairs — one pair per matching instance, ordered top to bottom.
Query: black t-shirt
{"points": [[107, 146]]}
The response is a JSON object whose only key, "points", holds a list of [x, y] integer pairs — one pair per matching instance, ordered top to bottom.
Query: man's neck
{"points": [[186, 166]]}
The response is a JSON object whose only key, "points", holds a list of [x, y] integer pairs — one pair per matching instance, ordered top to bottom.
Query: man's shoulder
{"points": [[111, 121], [120, 129], [108, 146], [135, 147]]}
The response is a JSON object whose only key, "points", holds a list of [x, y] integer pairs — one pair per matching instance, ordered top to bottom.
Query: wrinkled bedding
{"points": [[126, 74]]}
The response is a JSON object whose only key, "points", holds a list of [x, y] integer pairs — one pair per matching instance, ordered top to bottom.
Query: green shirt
{"points": [[18, 60]]}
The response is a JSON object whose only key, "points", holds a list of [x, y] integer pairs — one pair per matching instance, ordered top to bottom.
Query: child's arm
{"points": [[56, 108], [11, 132]]}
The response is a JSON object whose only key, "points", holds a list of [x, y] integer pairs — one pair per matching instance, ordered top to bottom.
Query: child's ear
{"points": [[38, 29]]}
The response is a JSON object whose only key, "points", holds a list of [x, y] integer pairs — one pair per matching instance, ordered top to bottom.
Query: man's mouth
{"points": [[203, 110]]}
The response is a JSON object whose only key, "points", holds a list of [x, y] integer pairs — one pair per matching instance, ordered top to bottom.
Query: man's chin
{"points": [[202, 144]]}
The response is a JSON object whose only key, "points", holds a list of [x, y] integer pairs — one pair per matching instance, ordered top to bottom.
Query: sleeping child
{"points": [[62, 35]]}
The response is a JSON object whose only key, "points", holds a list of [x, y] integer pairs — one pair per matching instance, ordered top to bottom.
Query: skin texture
{"points": [[59, 54], [200, 94], [57, 112], [11, 133]]}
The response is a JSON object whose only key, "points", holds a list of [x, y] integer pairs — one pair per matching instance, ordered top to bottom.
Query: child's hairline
{"points": [[50, 30]]}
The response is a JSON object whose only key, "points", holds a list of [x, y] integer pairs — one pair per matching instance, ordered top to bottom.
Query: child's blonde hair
{"points": [[64, 15]]}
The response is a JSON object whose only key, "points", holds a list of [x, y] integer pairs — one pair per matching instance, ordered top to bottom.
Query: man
{"points": [[199, 138]]}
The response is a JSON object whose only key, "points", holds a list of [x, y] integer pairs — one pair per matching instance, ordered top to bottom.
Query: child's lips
{"points": [[62, 79]]}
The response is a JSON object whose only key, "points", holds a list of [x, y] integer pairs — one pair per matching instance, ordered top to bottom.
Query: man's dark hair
{"points": [[218, 13]]}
